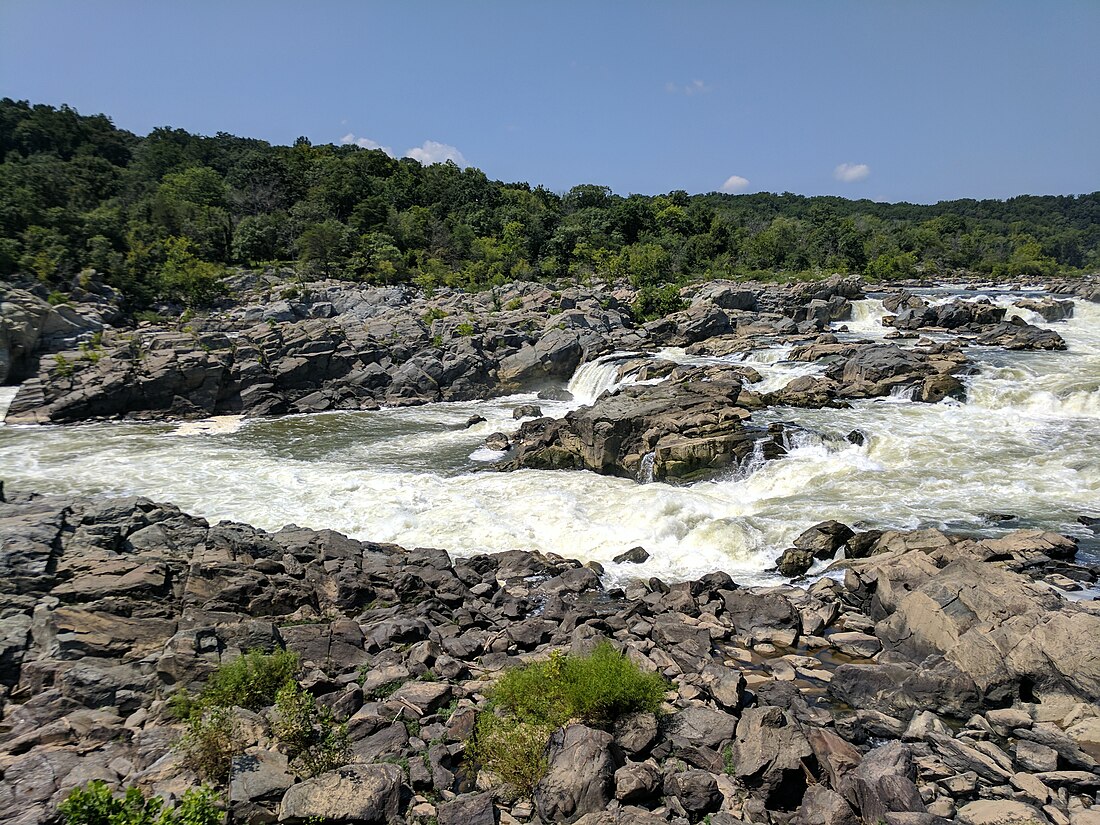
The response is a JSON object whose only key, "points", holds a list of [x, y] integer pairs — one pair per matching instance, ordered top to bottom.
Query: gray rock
{"points": [[769, 756], [580, 777], [637, 782], [884, 782], [697, 791], [363, 793], [471, 809]]}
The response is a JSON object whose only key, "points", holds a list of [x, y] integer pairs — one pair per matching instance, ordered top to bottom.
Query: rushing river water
{"points": [[1026, 442]]}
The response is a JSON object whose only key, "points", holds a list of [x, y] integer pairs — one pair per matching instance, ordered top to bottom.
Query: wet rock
{"points": [[1018, 335], [527, 411], [679, 431], [498, 442], [824, 539], [635, 555], [795, 562]]}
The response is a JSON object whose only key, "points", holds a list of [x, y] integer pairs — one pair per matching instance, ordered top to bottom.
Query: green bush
{"points": [[657, 302], [433, 314], [465, 329], [63, 366], [250, 681], [596, 689], [530, 702], [212, 739], [316, 743], [514, 751], [94, 804]]}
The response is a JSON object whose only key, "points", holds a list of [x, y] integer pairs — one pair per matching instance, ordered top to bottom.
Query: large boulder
{"points": [[680, 430], [771, 757], [580, 778], [884, 781], [354, 793]]}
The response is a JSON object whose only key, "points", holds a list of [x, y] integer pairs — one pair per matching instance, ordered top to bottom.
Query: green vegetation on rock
{"points": [[530, 702], [95, 804]]}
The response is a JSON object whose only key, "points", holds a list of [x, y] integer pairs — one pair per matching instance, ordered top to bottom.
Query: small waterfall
{"points": [[867, 315], [591, 380], [903, 393], [7, 395], [645, 470]]}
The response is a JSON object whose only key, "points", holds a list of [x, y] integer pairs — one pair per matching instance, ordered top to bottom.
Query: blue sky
{"points": [[917, 101]]}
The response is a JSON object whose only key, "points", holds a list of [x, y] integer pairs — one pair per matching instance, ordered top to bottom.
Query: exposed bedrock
{"points": [[944, 678]]}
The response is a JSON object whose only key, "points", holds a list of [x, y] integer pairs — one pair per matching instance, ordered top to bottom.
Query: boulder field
{"points": [[936, 678]]}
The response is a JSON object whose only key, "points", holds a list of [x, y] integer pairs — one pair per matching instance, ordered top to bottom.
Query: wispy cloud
{"points": [[695, 87], [366, 143], [431, 151], [851, 172], [735, 183]]}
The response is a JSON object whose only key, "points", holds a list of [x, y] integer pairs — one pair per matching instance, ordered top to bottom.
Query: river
{"points": [[1025, 443]]}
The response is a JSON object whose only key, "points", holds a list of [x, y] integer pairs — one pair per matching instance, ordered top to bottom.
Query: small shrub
{"points": [[290, 293], [56, 298], [653, 302], [514, 304], [433, 314], [150, 316], [465, 329], [63, 366], [250, 681], [597, 689], [530, 702], [210, 743], [316, 743], [514, 751], [94, 804]]}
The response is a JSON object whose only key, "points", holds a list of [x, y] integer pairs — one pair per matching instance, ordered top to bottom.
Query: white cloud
{"points": [[695, 87], [366, 143], [432, 151], [851, 172], [735, 183]]}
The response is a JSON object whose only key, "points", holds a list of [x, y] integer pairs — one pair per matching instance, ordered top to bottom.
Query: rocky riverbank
{"points": [[285, 347], [944, 679]]}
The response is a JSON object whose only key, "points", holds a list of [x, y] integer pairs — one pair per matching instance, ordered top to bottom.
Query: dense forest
{"points": [[163, 217]]}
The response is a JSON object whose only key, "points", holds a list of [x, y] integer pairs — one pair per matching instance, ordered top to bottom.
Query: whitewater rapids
{"points": [[1026, 442]]}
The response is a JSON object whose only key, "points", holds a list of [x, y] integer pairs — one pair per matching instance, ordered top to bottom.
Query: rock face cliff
{"points": [[944, 679]]}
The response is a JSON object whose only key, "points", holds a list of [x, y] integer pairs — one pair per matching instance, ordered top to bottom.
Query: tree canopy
{"points": [[161, 216]]}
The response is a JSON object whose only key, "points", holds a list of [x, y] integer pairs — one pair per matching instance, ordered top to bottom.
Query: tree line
{"points": [[163, 216]]}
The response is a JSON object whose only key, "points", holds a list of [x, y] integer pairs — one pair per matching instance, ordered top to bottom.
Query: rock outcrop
{"points": [[941, 679]]}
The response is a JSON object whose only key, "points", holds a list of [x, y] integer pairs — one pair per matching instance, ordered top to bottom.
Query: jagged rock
{"points": [[1050, 309], [1018, 335], [673, 432], [824, 539], [635, 555], [795, 562], [770, 756], [580, 777], [637, 782], [884, 782], [696, 790], [363, 793], [824, 806], [473, 809]]}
